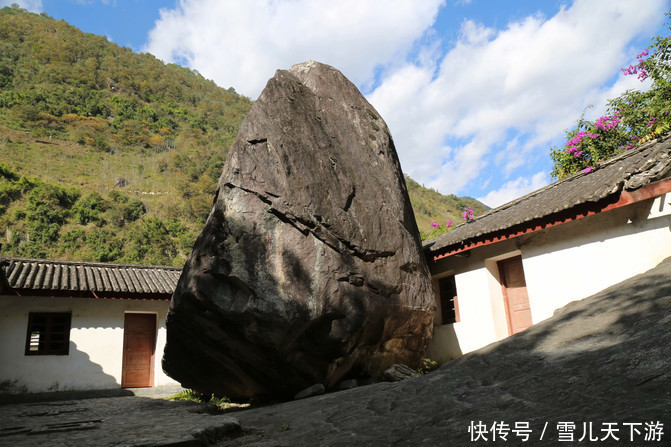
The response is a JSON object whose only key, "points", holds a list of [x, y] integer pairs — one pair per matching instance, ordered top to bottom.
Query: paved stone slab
{"points": [[113, 421]]}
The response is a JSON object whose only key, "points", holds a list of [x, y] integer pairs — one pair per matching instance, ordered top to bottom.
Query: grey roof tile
{"points": [[628, 171], [24, 273], [48, 275], [104, 279], [129, 279]]}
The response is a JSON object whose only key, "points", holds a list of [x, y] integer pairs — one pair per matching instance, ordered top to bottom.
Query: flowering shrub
{"points": [[639, 68], [634, 117], [607, 123], [590, 143], [573, 146], [468, 214], [436, 230]]}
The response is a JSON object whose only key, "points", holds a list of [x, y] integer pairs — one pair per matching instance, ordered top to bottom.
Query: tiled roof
{"points": [[628, 171], [67, 276]]}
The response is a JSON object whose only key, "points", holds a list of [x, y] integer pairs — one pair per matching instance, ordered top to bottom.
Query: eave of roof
{"points": [[613, 185], [60, 278]]}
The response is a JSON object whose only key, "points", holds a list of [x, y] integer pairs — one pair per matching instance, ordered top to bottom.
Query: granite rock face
{"points": [[309, 268]]}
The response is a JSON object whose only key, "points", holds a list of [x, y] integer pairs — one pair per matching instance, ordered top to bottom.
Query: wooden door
{"points": [[514, 286], [139, 343]]}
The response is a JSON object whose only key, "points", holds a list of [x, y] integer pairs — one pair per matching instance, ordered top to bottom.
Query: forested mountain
{"points": [[113, 156]]}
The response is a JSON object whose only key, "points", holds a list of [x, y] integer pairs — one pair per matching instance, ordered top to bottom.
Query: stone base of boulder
{"points": [[311, 391]]}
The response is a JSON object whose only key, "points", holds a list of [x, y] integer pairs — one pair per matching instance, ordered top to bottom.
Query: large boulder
{"points": [[309, 268]]}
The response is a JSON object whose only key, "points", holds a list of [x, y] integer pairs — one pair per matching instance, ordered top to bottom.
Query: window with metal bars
{"points": [[449, 305], [48, 333]]}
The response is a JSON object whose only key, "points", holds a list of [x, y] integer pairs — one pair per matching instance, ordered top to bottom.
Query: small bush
{"points": [[7, 173], [8, 193], [88, 209], [133, 210], [73, 240], [105, 245], [428, 366], [189, 396], [195, 396]]}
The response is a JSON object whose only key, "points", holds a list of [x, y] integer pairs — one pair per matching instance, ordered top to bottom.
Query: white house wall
{"points": [[583, 257], [561, 264], [480, 308], [96, 344]]}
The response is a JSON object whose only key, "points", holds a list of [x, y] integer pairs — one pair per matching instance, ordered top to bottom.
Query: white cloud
{"points": [[30, 5], [241, 44], [532, 78], [487, 107], [514, 189]]}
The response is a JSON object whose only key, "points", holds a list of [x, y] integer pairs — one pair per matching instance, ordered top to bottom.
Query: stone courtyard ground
{"points": [[600, 368], [597, 373], [111, 421]]}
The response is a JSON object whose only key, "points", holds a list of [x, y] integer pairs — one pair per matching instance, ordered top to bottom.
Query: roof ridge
{"points": [[628, 153], [608, 175]]}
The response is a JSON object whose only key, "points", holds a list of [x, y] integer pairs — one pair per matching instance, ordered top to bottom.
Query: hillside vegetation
{"points": [[113, 156], [433, 208]]}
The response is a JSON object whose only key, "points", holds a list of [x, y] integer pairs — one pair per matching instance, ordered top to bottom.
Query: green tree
{"points": [[76, 109], [632, 118], [9, 190], [89, 208], [46, 210], [133, 210], [73, 240], [151, 243], [105, 245]]}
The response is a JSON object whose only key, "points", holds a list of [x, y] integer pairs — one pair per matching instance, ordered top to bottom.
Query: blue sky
{"points": [[475, 92]]}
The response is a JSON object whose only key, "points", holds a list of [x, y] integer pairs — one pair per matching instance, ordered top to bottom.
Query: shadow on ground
{"points": [[602, 360]]}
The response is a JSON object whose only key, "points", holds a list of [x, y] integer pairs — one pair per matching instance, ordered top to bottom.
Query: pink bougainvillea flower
{"points": [[638, 69], [607, 123], [589, 169], [468, 214], [448, 223], [434, 224]]}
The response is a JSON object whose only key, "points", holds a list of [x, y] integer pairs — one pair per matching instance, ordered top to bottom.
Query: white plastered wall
{"points": [[583, 257], [561, 264], [482, 318], [96, 344]]}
